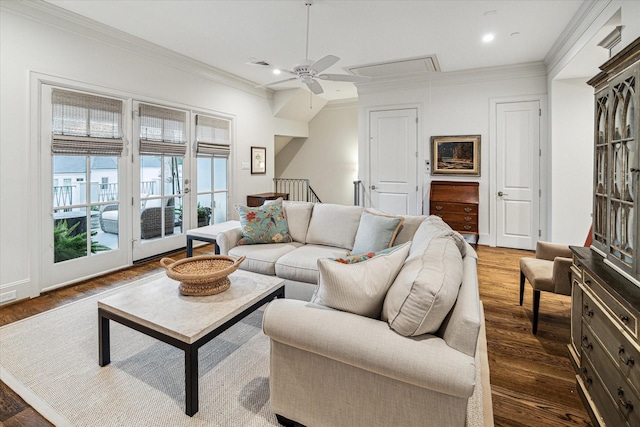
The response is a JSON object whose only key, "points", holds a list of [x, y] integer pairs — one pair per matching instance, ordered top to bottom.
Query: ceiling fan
{"points": [[308, 72]]}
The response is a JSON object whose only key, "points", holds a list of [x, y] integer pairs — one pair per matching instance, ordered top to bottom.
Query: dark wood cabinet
{"points": [[254, 200], [456, 202], [605, 307]]}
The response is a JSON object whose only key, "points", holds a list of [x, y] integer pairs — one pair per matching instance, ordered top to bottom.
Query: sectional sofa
{"points": [[403, 357]]}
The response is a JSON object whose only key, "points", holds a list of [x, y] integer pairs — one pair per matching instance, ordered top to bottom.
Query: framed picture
{"points": [[455, 155], [258, 160]]}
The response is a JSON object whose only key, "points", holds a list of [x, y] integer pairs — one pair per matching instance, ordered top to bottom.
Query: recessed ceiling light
{"points": [[488, 38], [276, 71]]}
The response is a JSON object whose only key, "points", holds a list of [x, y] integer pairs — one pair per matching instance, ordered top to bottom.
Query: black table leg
{"points": [[189, 246], [104, 344], [191, 379]]}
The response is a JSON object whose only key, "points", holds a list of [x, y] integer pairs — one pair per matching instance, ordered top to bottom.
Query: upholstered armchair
{"points": [[549, 271]]}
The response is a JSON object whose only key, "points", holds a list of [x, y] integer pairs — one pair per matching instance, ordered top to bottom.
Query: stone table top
{"points": [[159, 305]]}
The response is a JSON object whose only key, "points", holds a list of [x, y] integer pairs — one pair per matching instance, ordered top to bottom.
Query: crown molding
{"points": [[46, 13], [586, 15], [477, 75]]}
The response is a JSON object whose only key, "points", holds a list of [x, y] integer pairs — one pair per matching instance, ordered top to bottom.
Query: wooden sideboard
{"points": [[254, 200], [456, 202], [605, 346]]}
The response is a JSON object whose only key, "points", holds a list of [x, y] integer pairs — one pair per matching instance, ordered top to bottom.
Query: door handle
{"points": [[373, 187], [500, 193]]}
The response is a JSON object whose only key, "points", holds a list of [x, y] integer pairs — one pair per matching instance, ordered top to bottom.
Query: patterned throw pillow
{"points": [[264, 224], [353, 259], [359, 287]]}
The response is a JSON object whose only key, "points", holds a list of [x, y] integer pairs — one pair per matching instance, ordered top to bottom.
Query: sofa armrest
{"points": [[228, 239], [425, 361]]}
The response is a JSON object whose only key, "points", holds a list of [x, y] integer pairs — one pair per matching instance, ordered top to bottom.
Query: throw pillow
{"points": [[264, 224], [376, 232], [359, 287], [425, 289]]}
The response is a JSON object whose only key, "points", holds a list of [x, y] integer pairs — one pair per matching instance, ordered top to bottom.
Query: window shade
{"points": [[85, 124], [162, 131], [212, 136]]}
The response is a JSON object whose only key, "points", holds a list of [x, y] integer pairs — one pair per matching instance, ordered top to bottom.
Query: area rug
{"points": [[51, 361]]}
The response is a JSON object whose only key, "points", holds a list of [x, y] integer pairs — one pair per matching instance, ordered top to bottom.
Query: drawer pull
{"points": [[438, 207], [467, 209], [467, 218], [467, 227], [587, 282], [587, 310], [624, 318], [586, 344], [626, 360], [586, 377], [626, 405]]}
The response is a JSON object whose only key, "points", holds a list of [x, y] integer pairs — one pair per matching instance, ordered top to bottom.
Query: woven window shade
{"points": [[85, 124], [162, 131], [212, 136]]}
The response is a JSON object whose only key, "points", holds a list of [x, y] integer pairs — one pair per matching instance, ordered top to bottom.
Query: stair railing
{"points": [[297, 188]]}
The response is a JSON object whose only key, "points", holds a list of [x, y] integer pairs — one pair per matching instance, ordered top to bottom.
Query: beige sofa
{"points": [[335, 368]]}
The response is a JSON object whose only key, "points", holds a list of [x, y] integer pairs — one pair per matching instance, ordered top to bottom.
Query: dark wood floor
{"points": [[531, 376]]}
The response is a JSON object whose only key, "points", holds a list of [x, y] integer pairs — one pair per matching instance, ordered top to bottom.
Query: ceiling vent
{"points": [[258, 62], [420, 65]]}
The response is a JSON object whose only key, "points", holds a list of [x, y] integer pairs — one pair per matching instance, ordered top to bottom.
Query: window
{"points": [[212, 152]]}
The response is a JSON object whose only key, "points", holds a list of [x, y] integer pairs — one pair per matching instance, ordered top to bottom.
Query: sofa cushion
{"points": [[110, 215], [298, 216], [263, 224], [334, 225], [409, 225], [431, 227], [376, 232], [262, 258], [301, 264], [426, 287], [359, 288]]}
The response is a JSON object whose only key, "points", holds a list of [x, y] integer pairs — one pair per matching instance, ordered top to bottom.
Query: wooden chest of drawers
{"points": [[255, 200], [456, 203], [605, 346]]}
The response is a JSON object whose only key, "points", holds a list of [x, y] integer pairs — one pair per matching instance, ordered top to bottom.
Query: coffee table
{"points": [[157, 309]]}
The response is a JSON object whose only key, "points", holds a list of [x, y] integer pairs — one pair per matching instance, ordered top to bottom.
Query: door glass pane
{"points": [[220, 170], [204, 174], [150, 175], [172, 175], [104, 179], [204, 209], [220, 211], [69, 234]]}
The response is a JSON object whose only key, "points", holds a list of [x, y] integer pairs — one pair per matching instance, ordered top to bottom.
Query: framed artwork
{"points": [[455, 155], [258, 160]]}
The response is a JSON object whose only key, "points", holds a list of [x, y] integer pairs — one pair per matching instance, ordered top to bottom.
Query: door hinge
{"points": [[539, 112], [539, 152], [416, 154], [416, 188], [539, 193], [132, 201], [539, 233]]}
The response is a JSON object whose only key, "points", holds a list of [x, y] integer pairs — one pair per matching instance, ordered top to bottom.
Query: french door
{"points": [[81, 165], [161, 203]]}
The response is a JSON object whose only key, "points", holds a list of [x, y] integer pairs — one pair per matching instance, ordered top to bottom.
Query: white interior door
{"points": [[393, 149], [517, 174]]}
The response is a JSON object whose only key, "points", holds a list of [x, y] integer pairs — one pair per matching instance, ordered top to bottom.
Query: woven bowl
{"points": [[202, 275]]}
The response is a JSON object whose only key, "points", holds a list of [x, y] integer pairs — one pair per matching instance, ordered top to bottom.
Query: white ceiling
{"points": [[227, 34]]}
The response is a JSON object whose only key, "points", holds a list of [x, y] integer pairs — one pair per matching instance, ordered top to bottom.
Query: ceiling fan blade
{"points": [[324, 63], [342, 78], [278, 82], [315, 87]]}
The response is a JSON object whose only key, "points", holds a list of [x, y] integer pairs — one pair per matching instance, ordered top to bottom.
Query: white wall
{"points": [[54, 46], [453, 104], [328, 157], [572, 166]]}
